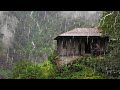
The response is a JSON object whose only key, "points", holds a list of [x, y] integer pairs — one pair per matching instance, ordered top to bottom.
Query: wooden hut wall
{"points": [[76, 46]]}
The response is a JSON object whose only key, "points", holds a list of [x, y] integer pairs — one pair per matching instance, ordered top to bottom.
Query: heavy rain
{"points": [[60, 44]]}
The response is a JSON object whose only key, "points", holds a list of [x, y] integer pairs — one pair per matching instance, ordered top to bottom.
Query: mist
{"points": [[79, 14], [8, 25], [30, 34]]}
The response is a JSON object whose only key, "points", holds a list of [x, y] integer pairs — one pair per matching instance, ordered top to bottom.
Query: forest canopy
{"points": [[30, 34], [27, 39]]}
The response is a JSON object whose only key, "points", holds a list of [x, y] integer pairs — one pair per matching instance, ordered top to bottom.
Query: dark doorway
{"points": [[87, 47], [79, 48]]}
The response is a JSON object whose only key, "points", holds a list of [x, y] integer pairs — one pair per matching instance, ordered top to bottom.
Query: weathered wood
{"points": [[75, 46], [82, 48]]}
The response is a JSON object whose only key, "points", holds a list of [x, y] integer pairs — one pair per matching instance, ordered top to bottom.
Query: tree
{"points": [[110, 24], [35, 32]]}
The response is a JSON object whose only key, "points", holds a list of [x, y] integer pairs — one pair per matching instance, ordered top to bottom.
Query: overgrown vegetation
{"points": [[110, 24], [31, 34], [38, 44], [86, 67], [79, 69], [29, 70]]}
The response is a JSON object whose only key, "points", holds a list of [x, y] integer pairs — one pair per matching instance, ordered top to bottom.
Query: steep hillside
{"points": [[30, 34]]}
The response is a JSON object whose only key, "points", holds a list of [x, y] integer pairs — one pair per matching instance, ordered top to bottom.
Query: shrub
{"points": [[52, 57], [103, 65], [28, 70], [48, 71], [75, 71], [95, 77]]}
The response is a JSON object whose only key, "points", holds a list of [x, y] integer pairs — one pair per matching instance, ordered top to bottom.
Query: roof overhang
{"points": [[82, 32], [60, 37]]}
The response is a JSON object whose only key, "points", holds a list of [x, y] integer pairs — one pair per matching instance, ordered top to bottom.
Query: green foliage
{"points": [[111, 26], [40, 27], [53, 57], [102, 65], [86, 67], [83, 68], [28, 70], [48, 71], [77, 71], [5, 73], [78, 75], [95, 77]]}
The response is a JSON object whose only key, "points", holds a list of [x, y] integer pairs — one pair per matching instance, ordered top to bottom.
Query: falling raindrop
{"points": [[45, 15], [48, 20], [68, 23], [74, 23], [41, 27], [46, 28], [50, 35], [92, 40], [14, 51]]}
